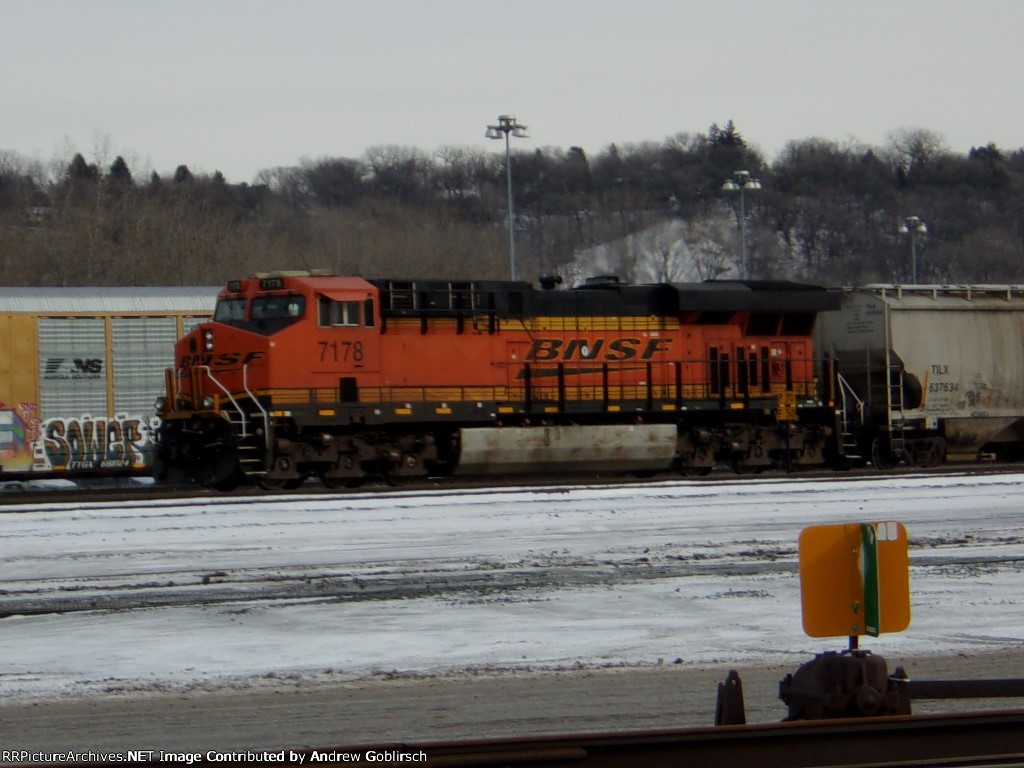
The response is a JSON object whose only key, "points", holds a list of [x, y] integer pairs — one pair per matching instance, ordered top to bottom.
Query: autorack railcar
{"points": [[80, 368], [302, 373]]}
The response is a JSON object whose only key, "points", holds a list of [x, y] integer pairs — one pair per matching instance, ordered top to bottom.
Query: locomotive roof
{"points": [[711, 295], [755, 295], [600, 296], [107, 299]]}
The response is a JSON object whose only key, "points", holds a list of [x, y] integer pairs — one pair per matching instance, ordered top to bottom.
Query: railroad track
{"points": [[12, 498], [993, 738], [976, 739]]}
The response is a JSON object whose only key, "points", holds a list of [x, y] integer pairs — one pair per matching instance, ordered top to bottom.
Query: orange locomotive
{"points": [[303, 374]]}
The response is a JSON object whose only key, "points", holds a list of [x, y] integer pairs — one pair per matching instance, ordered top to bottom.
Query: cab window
{"points": [[278, 307], [231, 311], [340, 312], [334, 313], [270, 314]]}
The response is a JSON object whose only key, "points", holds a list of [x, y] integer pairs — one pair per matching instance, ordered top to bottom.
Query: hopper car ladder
{"points": [[895, 415]]}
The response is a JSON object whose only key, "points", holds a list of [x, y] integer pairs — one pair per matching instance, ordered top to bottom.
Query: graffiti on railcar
{"points": [[19, 431], [94, 443], [73, 444]]}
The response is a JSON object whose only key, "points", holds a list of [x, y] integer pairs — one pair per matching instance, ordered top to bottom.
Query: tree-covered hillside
{"points": [[825, 212]]}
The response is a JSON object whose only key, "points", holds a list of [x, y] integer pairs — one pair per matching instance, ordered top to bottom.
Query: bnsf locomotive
{"points": [[303, 374]]}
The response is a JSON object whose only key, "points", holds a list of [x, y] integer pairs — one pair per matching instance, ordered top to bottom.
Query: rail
{"points": [[976, 739], [928, 741]]}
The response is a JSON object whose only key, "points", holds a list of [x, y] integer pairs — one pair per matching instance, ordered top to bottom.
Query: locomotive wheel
{"points": [[741, 467], [165, 471], [689, 471], [221, 472], [396, 481], [337, 483], [285, 484]]}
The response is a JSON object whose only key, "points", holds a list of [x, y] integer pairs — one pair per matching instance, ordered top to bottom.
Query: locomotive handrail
{"points": [[846, 389], [227, 392], [256, 402]]}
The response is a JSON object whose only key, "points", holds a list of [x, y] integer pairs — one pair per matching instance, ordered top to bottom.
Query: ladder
{"points": [[895, 407], [249, 448]]}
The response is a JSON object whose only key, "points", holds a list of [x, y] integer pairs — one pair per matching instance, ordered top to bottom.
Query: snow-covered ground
{"points": [[255, 591]]}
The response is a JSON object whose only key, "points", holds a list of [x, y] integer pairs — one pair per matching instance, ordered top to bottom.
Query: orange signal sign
{"points": [[854, 579]]}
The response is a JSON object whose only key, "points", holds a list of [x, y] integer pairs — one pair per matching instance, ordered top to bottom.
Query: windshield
{"points": [[278, 307], [230, 311], [266, 314], [269, 314]]}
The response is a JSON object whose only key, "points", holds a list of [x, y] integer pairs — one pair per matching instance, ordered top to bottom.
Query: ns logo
{"points": [[58, 368]]}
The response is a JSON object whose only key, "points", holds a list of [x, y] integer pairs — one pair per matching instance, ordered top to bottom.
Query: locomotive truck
{"points": [[304, 374]]}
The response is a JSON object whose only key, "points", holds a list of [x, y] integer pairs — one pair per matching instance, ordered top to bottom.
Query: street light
{"points": [[507, 125], [742, 182], [913, 226]]}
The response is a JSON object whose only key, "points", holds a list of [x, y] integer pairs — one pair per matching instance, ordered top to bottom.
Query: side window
{"points": [[345, 313]]}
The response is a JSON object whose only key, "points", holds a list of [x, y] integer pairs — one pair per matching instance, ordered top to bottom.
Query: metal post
{"points": [[507, 125], [741, 182], [511, 213], [913, 226], [743, 236], [913, 257]]}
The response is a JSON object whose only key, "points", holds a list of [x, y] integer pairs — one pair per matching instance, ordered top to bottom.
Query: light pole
{"points": [[507, 125], [742, 182], [913, 226]]}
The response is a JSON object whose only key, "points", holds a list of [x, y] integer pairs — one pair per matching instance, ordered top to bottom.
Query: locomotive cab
{"points": [[232, 398]]}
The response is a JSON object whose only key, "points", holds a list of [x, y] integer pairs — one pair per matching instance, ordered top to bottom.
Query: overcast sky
{"points": [[242, 85]]}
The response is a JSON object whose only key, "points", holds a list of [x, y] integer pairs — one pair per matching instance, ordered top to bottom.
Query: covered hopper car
{"points": [[80, 369], [928, 373], [302, 374]]}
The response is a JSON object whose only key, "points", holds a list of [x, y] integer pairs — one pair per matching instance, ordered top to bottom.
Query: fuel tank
{"points": [[607, 448]]}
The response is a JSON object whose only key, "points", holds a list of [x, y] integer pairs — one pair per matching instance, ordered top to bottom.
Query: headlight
{"points": [[208, 340], [208, 403], [160, 404]]}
